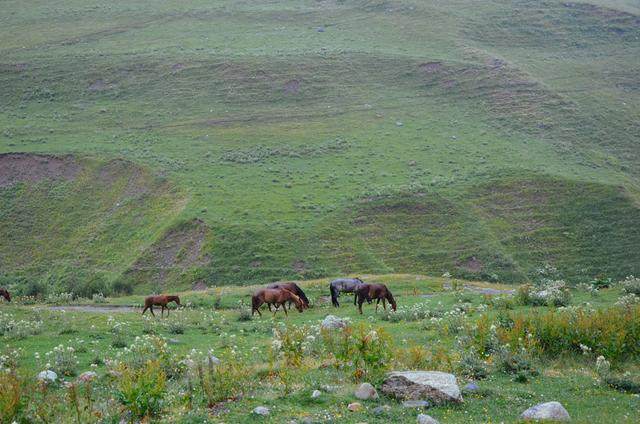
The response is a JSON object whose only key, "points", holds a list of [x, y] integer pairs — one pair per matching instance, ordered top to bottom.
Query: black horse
{"points": [[347, 285]]}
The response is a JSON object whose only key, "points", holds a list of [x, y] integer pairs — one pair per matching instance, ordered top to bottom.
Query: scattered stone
{"points": [[320, 29], [399, 124], [333, 322], [173, 341], [214, 360], [48, 376], [87, 376], [435, 386], [472, 387], [366, 391], [316, 394], [416, 404], [355, 407], [261, 410], [381, 410], [551, 411], [426, 419]]}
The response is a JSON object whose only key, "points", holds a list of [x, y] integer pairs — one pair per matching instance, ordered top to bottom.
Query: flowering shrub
{"points": [[631, 285], [548, 292], [59, 298], [98, 298], [628, 300], [12, 328], [148, 348], [366, 350], [62, 360], [215, 382]]}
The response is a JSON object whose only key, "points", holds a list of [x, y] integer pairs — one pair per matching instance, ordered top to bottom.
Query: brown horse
{"points": [[293, 288], [378, 292], [5, 293], [277, 297], [162, 301]]}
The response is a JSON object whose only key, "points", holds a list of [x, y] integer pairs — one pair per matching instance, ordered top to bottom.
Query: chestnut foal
{"points": [[378, 292], [277, 297], [161, 301]]}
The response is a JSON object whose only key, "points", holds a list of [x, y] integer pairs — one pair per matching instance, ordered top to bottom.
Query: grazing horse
{"points": [[347, 285], [293, 288], [379, 292], [5, 293], [277, 297], [162, 301]]}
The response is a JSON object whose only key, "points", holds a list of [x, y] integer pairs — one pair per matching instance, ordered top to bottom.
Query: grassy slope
{"points": [[280, 133]]}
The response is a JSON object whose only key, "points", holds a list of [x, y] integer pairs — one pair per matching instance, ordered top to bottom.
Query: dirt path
{"points": [[103, 309]]}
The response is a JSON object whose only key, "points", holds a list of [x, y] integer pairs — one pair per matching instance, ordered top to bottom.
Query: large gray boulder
{"points": [[434, 386], [548, 411]]}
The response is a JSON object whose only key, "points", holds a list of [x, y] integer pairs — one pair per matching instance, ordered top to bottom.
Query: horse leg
{"points": [[360, 302], [384, 303], [377, 304], [269, 305], [284, 307], [151, 309], [145, 310], [168, 310]]}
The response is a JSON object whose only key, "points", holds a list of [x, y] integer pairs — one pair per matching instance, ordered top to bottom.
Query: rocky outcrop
{"points": [[435, 386]]}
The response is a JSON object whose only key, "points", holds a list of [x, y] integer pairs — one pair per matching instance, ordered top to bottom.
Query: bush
{"points": [[631, 285], [548, 292], [613, 332], [62, 360], [517, 364], [471, 366], [217, 383], [141, 390], [10, 396]]}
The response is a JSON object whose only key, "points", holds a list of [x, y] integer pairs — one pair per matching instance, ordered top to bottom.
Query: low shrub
{"points": [[631, 285], [62, 360], [518, 364], [471, 366], [216, 383], [141, 390]]}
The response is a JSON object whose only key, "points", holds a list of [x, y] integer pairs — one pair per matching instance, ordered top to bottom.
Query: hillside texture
{"points": [[171, 144]]}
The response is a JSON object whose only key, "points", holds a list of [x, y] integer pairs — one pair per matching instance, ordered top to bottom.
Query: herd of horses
{"points": [[279, 295]]}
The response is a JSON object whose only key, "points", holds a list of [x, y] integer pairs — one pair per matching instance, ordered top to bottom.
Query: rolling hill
{"points": [[167, 144]]}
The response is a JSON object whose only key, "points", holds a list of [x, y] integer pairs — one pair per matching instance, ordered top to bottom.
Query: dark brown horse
{"points": [[293, 288], [378, 292], [5, 293], [277, 297], [160, 300]]}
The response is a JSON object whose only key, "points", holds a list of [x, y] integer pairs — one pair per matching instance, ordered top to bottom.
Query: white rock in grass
{"points": [[333, 322], [48, 376], [366, 391], [316, 394], [261, 410], [549, 411], [426, 419]]}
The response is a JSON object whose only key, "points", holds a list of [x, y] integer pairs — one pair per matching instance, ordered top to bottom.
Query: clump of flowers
{"points": [[631, 285], [98, 298], [13, 328], [62, 360]]}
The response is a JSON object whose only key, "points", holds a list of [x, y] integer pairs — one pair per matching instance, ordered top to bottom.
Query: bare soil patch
{"points": [[431, 67], [292, 86], [26, 167], [471, 264]]}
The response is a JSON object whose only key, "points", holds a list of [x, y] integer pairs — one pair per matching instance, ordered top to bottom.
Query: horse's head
{"points": [[5, 294], [176, 299], [298, 302]]}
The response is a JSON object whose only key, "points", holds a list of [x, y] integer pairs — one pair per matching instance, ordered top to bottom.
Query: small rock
{"points": [[320, 29], [399, 124], [333, 322], [173, 341], [214, 360], [48, 376], [87, 376], [472, 387], [330, 388], [366, 391], [316, 394], [415, 404], [355, 407], [261, 410], [381, 410], [550, 411], [426, 419]]}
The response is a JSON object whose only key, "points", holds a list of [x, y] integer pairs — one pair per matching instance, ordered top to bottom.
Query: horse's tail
{"points": [[334, 295], [302, 296]]}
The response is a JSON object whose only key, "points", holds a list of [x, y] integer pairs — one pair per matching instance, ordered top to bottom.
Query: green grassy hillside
{"points": [[313, 138]]}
